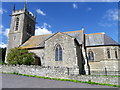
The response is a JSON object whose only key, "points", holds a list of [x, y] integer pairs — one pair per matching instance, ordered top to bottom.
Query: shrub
{"points": [[20, 56]]}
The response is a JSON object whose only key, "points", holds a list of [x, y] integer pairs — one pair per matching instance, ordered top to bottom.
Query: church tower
{"points": [[22, 27]]}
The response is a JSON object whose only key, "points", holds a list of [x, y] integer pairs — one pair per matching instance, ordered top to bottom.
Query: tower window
{"points": [[17, 24], [29, 28], [14, 37], [58, 53], [108, 53], [90, 56], [116, 56]]}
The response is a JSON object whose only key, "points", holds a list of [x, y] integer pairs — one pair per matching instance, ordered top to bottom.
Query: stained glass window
{"points": [[58, 53], [90, 56]]}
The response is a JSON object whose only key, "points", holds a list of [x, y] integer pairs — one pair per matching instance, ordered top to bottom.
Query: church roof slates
{"points": [[90, 39], [99, 39], [35, 41], [38, 41]]}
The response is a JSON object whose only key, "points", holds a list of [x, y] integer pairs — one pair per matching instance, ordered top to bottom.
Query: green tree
{"points": [[20, 56]]}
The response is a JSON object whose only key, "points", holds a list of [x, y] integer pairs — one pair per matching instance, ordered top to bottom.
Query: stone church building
{"points": [[75, 49]]}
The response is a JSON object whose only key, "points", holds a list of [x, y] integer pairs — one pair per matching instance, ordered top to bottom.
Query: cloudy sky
{"points": [[52, 17]]}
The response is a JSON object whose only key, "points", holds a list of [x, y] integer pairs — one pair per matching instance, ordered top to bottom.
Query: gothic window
{"points": [[17, 24], [58, 53], [108, 53], [90, 56], [116, 56]]}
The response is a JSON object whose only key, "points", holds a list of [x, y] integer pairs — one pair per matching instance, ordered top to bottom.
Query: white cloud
{"points": [[75, 5], [89, 9], [2, 11], [39, 11], [111, 15], [109, 18], [106, 24], [45, 25], [1, 27], [40, 30], [6, 32], [3, 45]]}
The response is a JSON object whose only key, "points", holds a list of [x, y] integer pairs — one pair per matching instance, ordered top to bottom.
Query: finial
{"points": [[25, 5], [13, 8], [35, 15], [82, 28]]}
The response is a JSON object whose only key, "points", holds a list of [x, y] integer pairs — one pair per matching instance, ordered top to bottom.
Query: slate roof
{"points": [[90, 39], [99, 39], [38, 41]]}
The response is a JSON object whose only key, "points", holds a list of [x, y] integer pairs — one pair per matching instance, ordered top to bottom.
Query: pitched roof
{"points": [[90, 39], [99, 39], [38, 41]]}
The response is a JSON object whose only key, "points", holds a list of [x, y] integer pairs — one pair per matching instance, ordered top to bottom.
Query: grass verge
{"points": [[77, 81]]}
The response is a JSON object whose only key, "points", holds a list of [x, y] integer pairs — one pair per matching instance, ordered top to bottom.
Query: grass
{"points": [[77, 81]]}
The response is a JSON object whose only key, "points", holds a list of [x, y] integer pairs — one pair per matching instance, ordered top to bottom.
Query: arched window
{"points": [[17, 24], [58, 53], [108, 53], [90, 56], [116, 56]]}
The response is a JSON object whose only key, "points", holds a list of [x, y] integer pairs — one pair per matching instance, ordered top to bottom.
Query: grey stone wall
{"points": [[100, 52], [40, 54], [69, 57], [79, 58], [101, 64], [110, 67], [58, 72]]}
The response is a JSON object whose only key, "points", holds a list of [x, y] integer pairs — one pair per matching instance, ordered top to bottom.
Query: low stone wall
{"points": [[105, 67], [41, 70], [58, 72]]}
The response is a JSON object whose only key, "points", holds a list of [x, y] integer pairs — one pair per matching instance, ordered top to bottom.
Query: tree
{"points": [[20, 56]]}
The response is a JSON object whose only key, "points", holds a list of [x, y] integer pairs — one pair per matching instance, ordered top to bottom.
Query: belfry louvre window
{"points": [[17, 24], [29, 28], [58, 53], [108, 53], [90, 56], [116, 56]]}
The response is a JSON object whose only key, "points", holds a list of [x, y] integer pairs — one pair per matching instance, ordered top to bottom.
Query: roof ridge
{"points": [[59, 31], [74, 31], [95, 33]]}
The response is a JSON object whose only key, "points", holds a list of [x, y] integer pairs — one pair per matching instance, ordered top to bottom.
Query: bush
{"points": [[20, 56]]}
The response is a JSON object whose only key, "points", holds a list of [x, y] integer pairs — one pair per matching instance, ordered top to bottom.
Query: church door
{"points": [[37, 61]]}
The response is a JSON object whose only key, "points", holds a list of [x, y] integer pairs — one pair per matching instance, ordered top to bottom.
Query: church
{"points": [[89, 53]]}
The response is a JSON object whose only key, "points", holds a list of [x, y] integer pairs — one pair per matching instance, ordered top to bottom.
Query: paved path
{"points": [[17, 81]]}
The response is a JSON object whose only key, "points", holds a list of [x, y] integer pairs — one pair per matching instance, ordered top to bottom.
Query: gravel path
{"points": [[17, 81]]}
